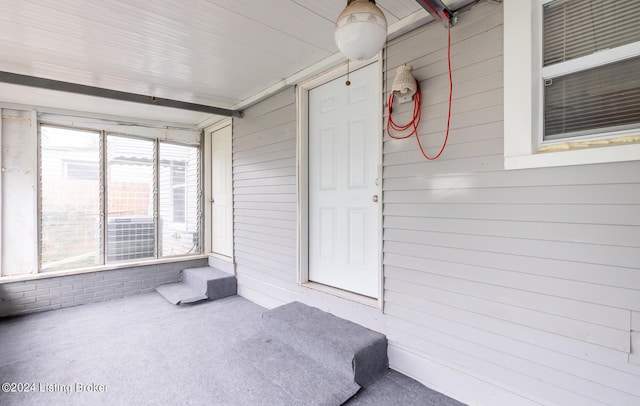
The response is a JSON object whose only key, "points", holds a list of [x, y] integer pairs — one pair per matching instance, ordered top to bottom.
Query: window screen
{"points": [[575, 28], [179, 182], [130, 199], [70, 201]]}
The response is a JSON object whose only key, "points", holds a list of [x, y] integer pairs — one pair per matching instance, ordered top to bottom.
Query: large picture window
{"points": [[109, 198]]}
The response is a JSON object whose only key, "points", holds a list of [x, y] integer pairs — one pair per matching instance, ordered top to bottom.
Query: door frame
{"points": [[302, 175], [207, 191]]}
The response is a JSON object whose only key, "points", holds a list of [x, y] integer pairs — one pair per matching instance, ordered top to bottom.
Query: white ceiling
{"points": [[222, 53]]}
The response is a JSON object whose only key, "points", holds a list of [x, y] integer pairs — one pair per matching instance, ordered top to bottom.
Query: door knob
{"points": [[374, 198]]}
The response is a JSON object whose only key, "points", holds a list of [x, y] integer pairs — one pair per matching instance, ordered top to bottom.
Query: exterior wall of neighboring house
{"points": [[500, 287]]}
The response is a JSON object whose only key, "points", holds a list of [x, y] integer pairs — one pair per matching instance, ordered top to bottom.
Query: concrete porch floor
{"points": [[142, 350]]}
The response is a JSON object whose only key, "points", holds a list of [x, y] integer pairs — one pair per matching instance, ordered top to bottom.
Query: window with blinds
{"points": [[591, 68]]}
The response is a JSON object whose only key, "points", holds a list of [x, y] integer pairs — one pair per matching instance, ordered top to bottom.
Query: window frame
{"points": [[103, 139], [524, 146]]}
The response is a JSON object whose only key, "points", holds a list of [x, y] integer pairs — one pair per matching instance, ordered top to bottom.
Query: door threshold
{"points": [[343, 294]]}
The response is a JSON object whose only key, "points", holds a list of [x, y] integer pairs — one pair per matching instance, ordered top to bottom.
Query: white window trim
{"points": [[523, 102]]}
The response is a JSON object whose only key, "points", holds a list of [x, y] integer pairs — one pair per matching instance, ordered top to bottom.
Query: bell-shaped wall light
{"points": [[361, 30]]}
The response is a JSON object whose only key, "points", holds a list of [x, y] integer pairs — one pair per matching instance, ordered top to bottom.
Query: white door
{"points": [[343, 168], [221, 193]]}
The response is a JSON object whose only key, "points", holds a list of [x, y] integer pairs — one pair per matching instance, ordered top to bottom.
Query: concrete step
{"points": [[203, 283], [339, 345]]}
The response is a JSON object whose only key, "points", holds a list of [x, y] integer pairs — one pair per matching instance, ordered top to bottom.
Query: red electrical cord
{"points": [[426, 3], [417, 110]]}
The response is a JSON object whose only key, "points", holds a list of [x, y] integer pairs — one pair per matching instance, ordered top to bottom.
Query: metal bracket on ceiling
{"points": [[440, 12], [33, 81]]}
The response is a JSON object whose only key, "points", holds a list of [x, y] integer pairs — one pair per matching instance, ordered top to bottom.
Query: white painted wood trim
{"points": [[592, 60], [518, 65], [336, 72], [381, 94], [213, 122], [218, 125], [35, 129], [156, 132], [617, 153], [302, 165], [302, 181], [207, 192], [110, 267], [344, 294]]}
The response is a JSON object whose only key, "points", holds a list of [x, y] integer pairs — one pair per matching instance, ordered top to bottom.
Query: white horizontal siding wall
{"points": [[264, 193], [522, 279], [501, 287]]}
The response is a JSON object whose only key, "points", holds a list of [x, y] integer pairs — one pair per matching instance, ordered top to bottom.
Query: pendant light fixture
{"points": [[361, 30]]}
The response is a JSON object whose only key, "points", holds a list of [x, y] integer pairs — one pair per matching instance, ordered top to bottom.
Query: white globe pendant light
{"points": [[361, 30]]}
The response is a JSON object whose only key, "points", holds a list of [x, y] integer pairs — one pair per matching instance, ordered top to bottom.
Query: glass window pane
{"points": [[575, 28], [597, 100], [179, 199], [70, 202], [130, 203]]}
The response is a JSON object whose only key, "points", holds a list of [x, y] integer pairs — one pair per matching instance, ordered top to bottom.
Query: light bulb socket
{"points": [[404, 84]]}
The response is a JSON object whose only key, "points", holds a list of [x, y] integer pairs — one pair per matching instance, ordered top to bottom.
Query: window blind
{"points": [[575, 28], [599, 100]]}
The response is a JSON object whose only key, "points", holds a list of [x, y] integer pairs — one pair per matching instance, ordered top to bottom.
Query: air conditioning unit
{"points": [[131, 237]]}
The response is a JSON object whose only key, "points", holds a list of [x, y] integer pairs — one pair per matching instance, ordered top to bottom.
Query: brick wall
{"points": [[72, 290]]}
